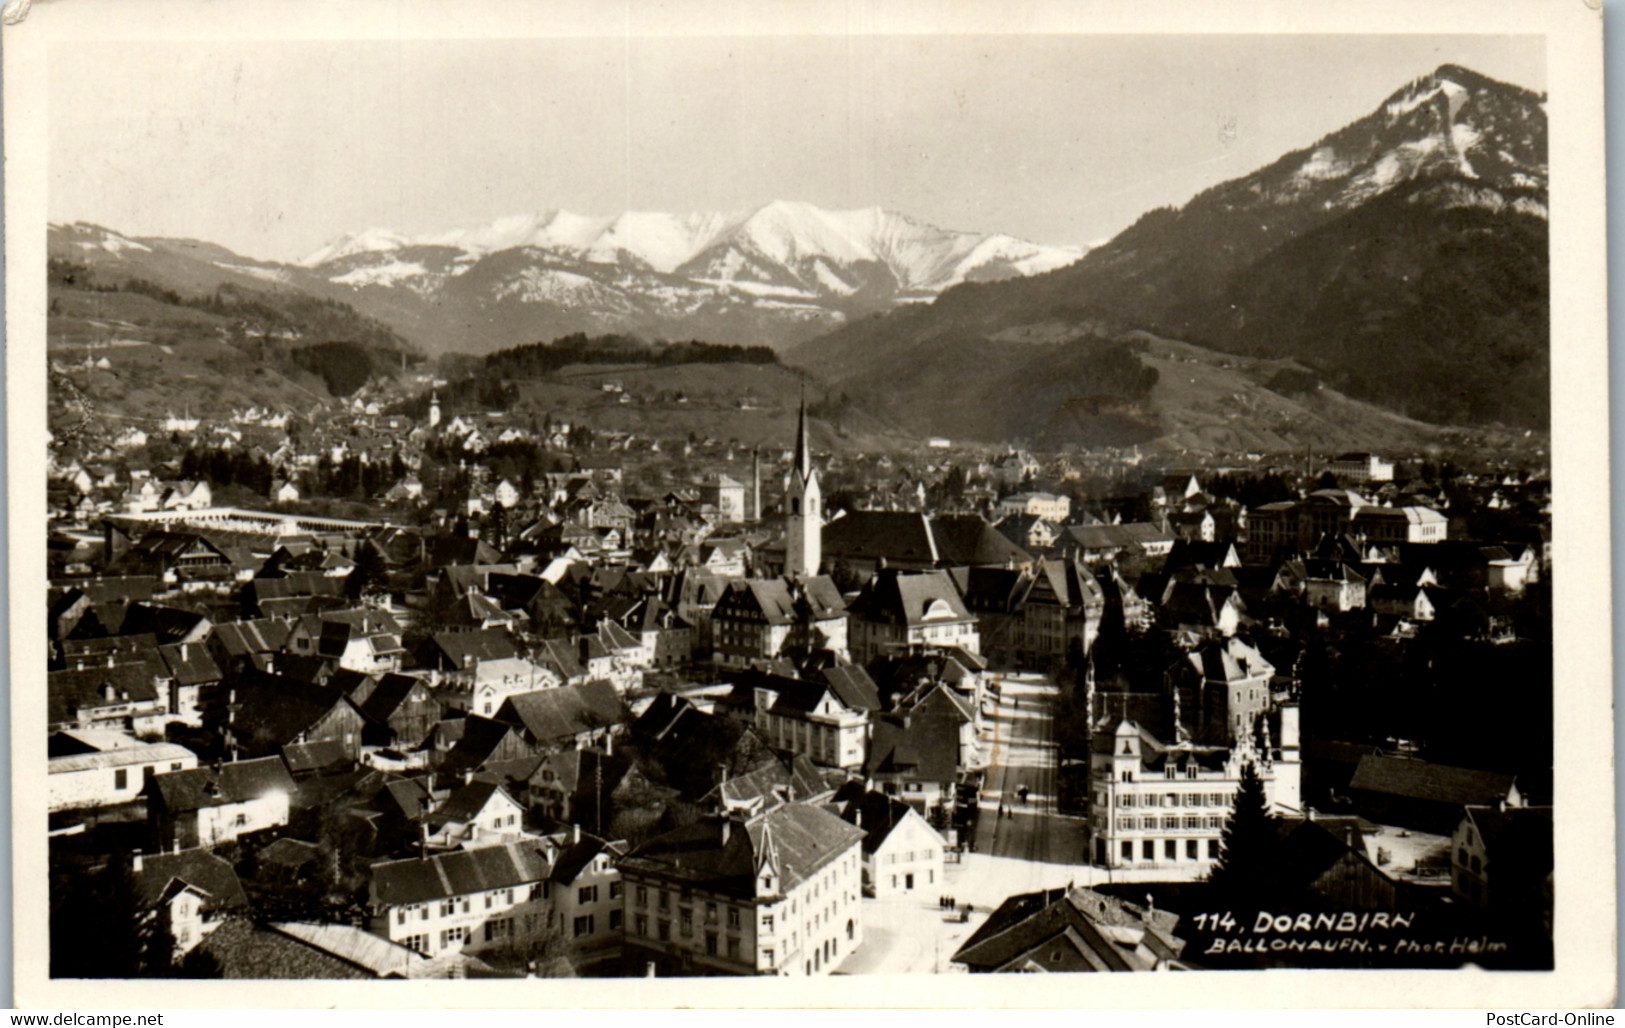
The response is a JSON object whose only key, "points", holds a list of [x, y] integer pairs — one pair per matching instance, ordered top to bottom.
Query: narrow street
{"points": [[1024, 754]]}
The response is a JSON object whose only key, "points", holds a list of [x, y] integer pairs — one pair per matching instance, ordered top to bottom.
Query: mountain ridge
{"points": [[1402, 258]]}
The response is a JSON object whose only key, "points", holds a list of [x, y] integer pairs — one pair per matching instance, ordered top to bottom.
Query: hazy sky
{"points": [[274, 148]]}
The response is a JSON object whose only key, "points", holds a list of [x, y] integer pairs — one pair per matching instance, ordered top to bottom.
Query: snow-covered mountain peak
{"points": [[372, 240]]}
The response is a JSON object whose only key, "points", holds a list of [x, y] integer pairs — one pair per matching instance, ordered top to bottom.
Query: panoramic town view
{"points": [[812, 586]]}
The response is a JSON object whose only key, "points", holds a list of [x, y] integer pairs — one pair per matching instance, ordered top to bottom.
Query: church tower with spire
{"points": [[434, 410], [804, 521]]}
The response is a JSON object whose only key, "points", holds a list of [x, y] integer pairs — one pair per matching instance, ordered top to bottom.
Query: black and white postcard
{"points": [[724, 496]]}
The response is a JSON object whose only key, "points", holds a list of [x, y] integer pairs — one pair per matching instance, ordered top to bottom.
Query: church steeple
{"points": [[804, 467], [804, 524]]}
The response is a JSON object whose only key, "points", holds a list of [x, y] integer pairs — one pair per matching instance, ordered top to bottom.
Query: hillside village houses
{"points": [[466, 675]]}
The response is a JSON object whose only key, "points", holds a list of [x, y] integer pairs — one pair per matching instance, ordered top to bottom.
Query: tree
{"points": [[1241, 872], [101, 927]]}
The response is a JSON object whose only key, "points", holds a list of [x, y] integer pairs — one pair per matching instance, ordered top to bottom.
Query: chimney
{"points": [[184, 650], [727, 827], [575, 833], [135, 862], [650, 970]]}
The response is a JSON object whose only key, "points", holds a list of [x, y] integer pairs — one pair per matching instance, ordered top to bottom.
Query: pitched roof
{"points": [[908, 598], [241, 638], [462, 649], [190, 663], [853, 686], [73, 689], [388, 695], [548, 715], [314, 756], [1418, 779], [237, 782], [877, 814], [804, 839], [195, 867], [458, 873], [1070, 930], [355, 946], [244, 950]]}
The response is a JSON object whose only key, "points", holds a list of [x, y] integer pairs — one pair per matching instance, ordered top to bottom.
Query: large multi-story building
{"points": [[1362, 468], [1049, 506], [1298, 525], [898, 610], [828, 721], [1162, 807], [779, 893]]}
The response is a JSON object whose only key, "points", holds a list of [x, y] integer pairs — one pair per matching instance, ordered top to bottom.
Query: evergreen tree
{"points": [[1241, 873]]}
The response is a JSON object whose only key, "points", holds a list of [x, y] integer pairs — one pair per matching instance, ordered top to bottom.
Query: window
{"points": [[1127, 776], [121, 778], [1170, 799], [1193, 799], [1216, 799], [1126, 800], [242, 819], [1192, 821], [1215, 822], [1170, 823], [1125, 824], [1148, 849], [1170, 849], [1190, 849], [1213, 849], [615, 890], [587, 894], [643, 896], [489, 899], [665, 900], [448, 908], [425, 913], [710, 913], [400, 916], [733, 918], [615, 920], [767, 922], [642, 923], [583, 926], [686, 927], [498, 929], [665, 931], [710, 944], [733, 949], [767, 958]]}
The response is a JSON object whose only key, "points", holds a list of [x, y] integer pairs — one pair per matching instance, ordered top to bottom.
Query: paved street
{"points": [[1023, 753]]}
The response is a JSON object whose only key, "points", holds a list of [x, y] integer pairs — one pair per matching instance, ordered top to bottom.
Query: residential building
{"points": [[1362, 468], [1047, 506], [897, 610], [759, 619], [828, 724], [106, 767], [206, 806], [1157, 806], [902, 853], [774, 894], [476, 899], [1071, 929]]}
